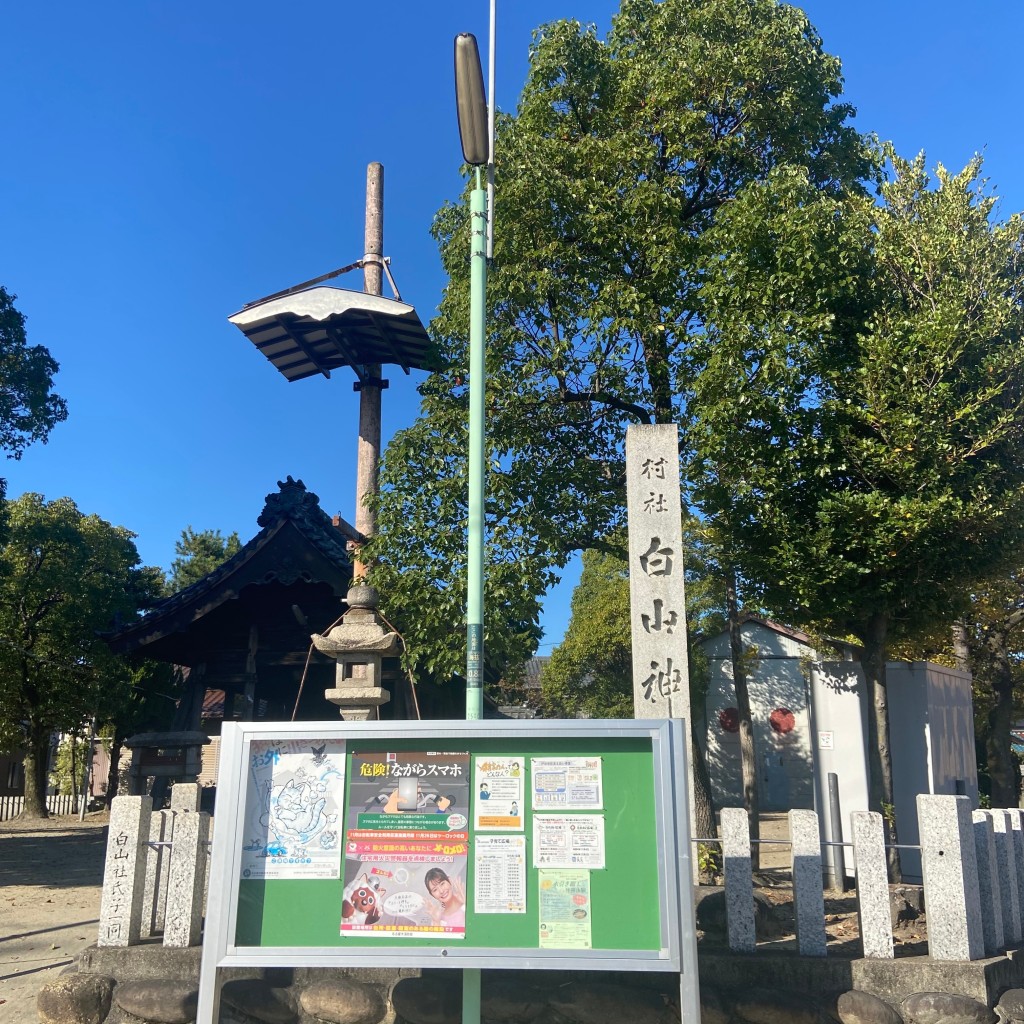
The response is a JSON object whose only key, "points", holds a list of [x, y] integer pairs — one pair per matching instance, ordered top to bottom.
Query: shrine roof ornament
{"points": [[325, 328]]}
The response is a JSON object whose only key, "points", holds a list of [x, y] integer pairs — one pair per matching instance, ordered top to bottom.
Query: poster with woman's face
{"points": [[406, 845], [403, 888]]}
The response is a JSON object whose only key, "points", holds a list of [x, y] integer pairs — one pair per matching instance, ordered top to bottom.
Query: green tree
{"points": [[621, 155], [865, 382], [29, 409], [199, 553], [64, 576], [988, 643], [591, 670]]}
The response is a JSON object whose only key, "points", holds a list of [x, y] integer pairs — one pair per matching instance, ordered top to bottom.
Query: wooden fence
{"points": [[12, 806]]}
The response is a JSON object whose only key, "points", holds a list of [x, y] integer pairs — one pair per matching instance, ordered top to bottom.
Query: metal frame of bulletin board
{"points": [[585, 843]]}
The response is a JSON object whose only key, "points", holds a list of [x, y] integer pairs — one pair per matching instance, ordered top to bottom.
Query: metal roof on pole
{"points": [[325, 328]]}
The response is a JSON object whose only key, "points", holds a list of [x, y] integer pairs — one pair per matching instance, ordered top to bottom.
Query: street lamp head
{"points": [[470, 100]]}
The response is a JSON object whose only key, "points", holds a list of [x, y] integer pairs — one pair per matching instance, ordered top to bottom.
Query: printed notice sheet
{"points": [[566, 783], [498, 789], [293, 809], [568, 841], [406, 845], [499, 873], [564, 909]]}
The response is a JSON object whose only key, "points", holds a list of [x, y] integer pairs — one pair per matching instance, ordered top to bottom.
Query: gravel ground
{"points": [[51, 873]]}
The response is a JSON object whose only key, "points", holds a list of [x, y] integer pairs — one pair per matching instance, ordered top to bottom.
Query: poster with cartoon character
{"points": [[498, 787], [293, 812], [406, 845], [404, 888]]}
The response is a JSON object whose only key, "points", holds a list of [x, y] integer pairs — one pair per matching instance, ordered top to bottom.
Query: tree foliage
{"points": [[621, 156], [864, 382], [29, 409], [199, 553], [64, 576], [591, 670]]}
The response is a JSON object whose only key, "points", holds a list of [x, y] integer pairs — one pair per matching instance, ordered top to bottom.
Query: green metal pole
{"points": [[477, 455]]}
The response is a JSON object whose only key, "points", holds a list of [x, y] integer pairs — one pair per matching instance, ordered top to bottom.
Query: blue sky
{"points": [[163, 164]]}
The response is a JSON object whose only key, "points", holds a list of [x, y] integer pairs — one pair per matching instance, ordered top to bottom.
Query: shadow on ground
{"points": [[57, 858]]}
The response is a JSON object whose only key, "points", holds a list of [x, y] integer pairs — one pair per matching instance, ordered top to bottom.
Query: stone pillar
{"points": [[185, 796], [1018, 856], [158, 863], [1006, 868], [950, 869], [124, 872], [187, 880], [739, 880], [988, 883], [872, 885], [808, 896]]}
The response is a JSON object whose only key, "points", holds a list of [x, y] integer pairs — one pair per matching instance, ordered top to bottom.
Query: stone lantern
{"points": [[359, 643]]}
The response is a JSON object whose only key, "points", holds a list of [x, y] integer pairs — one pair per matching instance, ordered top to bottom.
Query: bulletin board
{"points": [[566, 844]]}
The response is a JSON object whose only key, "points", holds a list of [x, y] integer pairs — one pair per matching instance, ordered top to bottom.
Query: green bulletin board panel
{"points": [[626, 896]]}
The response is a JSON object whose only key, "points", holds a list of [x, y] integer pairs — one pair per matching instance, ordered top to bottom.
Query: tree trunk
{"points": [[961, 646], [879, 750], [748, 756], [37, 766], [1001, 767], [74, 774], [113, 778], [703, 807]]}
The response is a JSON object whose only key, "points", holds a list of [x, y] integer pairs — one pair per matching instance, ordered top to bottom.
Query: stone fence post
{"points": [[950, 868], [1006, 868], [124, 871], [739, 881], [186, 883], [988, 883], [872, 885], [808, 897]]}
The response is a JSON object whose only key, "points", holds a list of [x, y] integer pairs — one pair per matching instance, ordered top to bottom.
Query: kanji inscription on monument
{"points": [[656, 589]]}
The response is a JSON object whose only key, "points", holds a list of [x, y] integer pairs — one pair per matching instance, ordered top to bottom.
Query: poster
{"points": [[566, 783], [498, 787], [409, 791], [293, 809], [568, 841], [406, 845], [499, 875], [398, 886], [564, 910]]}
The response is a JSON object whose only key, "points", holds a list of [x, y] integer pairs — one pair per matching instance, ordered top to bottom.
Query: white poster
{"points": [[567, 784], [498, 791], [293, 809], [568, 841], [499, 875]]}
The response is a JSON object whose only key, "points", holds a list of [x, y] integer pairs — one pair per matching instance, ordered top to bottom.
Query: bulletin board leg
{"points": [[471, 995]]}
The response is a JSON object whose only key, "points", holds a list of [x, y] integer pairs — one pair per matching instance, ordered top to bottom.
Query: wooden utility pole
{"points": [[370, 383]]}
